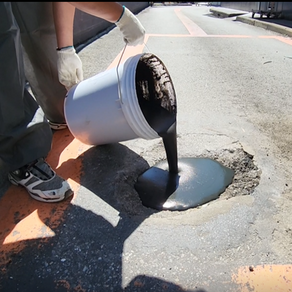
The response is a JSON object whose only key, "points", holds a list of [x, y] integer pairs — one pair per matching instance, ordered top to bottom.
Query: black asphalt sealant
{"points": [[175, 184]]}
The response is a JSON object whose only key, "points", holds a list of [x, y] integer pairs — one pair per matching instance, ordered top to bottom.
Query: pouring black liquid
{"points": [[173, 184]]}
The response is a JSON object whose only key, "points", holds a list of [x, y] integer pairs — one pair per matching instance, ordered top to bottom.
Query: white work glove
{"points": [[131, 28], [69, 65]]}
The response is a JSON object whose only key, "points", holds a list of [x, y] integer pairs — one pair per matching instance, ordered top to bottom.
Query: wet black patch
{"points": [[199, 180]]}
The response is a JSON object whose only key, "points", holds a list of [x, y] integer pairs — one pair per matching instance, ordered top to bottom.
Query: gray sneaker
{"points": [[42, 183]]}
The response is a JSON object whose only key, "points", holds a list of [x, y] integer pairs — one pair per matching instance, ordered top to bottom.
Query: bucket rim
{"points": [[132, 111]]}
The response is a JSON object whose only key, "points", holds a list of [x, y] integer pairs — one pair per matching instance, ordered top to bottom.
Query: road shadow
{"points": [[83, 251]]}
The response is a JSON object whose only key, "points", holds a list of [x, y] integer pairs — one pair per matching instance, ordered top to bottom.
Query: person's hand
{"points": [[131, 28], [69, 65]]}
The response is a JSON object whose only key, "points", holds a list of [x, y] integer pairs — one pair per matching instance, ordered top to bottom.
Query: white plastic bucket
{"points": [[104, 109]]}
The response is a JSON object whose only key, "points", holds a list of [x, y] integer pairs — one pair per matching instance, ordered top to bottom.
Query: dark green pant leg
{"points": [[25, 134]]}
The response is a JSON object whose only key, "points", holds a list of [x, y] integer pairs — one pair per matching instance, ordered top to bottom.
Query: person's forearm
{"points": [[110, 11], [64, 17], [64, 20]]}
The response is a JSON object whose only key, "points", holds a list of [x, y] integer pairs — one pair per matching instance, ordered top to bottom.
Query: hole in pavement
{"points": [[246, 178]]}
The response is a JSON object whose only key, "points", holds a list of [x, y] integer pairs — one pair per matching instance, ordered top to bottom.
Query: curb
{"points": [[223, 12], [239, 14], [266, 25]]}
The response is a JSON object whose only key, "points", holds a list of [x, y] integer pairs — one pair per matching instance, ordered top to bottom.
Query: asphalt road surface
{"points": [[234, 105]]}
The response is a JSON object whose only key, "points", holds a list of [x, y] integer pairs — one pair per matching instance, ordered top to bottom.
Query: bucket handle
{"points": [[117, 70]]}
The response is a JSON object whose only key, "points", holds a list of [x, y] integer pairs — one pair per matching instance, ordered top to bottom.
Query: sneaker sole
{"points": [[57, 127], [67, 194]]}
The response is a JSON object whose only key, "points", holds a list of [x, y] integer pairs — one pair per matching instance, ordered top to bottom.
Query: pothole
{"points": [[246, 179]]}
